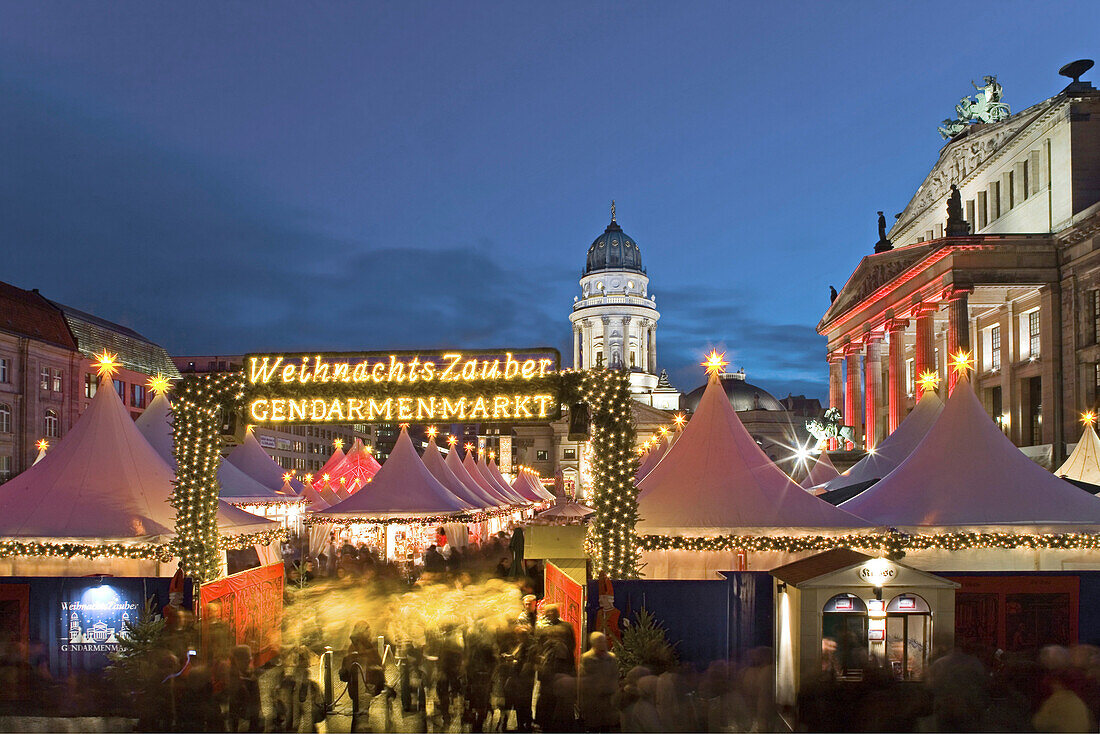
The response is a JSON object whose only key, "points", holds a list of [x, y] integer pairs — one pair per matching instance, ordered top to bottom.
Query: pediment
{"points": [[872, 273]]}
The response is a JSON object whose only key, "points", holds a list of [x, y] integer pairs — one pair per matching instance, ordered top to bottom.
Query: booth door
{"points": [[844, 635], [908, 636]]}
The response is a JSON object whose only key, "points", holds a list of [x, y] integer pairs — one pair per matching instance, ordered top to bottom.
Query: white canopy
{"points": [[155, 424], [895, 448], [251, 458], [651, 459], [1083, 464], [439, 469], [822, 471], [967, 473], [463, 474], [527, 477], [715, 478], [103, 481], [486, 486], [402, 487], [501, 487], [328, 496]]}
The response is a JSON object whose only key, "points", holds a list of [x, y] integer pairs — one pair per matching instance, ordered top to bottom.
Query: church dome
{"points": [[614, 250], [741, 394]]}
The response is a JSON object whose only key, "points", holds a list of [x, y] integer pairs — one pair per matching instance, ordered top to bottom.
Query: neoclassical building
{"points": [[1013, 278]]}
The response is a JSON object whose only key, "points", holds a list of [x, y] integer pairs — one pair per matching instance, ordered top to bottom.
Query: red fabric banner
{"points": [[562, 590], [249, 607]]}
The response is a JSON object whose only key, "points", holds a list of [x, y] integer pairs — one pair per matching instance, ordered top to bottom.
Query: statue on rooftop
{"points": [[986, 106], [957, 226], [883, 244], [831, 425]]}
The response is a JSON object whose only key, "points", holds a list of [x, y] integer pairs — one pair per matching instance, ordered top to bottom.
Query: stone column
{"points": [[606, 321], [958, 327], [626, 342], [586, 343], [643, 345], [576, 347], [653, 349], [925, 358], [896, 378], [836, 388], [872, 390], [853, 406]]}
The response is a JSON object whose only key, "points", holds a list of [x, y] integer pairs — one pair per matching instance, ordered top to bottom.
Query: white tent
{"points": [[893, 449], [251, 458], [651, 459], [334, 461], [1083, 465], [458, 468], [439, 469], [821, 472], [966, 473], [528, 477], [716, 479], [103, 483], [486, 486], [402, 488], [502, 488], [519, 489], [328, 495]]}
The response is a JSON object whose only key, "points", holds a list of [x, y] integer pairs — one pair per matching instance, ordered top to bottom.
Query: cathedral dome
{"points": [[614, 250], [742, 395]]}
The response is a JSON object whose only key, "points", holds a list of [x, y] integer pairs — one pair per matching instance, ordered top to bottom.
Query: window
{"points": [[995, 200], [1094, 303], [1033, 333], [995, 347], [599, 359], [632, 364], [3, 369], [57, 380], [1096, 382], [44, 383], [910, 383], [90, 385], [120, 388], [137, 395], [5, 418], [52, 429], [569, 454], [542, 455], [5, 468]]}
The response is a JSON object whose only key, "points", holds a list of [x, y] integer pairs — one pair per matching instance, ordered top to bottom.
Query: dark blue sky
{"points": [[227, 177]]}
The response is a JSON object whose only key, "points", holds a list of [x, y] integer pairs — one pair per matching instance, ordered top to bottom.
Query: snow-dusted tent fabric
{"points": [[895, 448], [251, 458], [651, 459], [1083, 465], [458, 468], [439, 469], [355, 471], [821, 472], [967, 473], [715, 479], [103, 481], [486, 486], [403, 487], [503, 489], [566, 509]]}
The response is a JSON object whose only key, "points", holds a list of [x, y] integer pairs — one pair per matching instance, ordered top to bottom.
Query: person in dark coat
{"points": [[556, 643], [519, 677], [243, 692]]}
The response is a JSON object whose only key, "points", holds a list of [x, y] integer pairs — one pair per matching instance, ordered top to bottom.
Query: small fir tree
{"points": [[137, 642], [645, 642]]}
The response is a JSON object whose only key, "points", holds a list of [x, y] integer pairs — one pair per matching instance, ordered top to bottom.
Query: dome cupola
{"points": [[614, 250]]}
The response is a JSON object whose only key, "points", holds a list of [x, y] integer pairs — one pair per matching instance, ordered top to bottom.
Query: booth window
{"points": [[844, 635], [908, 636]]}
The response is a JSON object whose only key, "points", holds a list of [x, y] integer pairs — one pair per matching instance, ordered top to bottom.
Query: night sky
{"points": [[227, 177]]}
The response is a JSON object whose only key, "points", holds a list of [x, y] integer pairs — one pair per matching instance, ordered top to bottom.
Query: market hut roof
{"points": [[895, 448], [251, 458], [651, 459], [334, 461], [437, 465], [1083, 465], [458, 468], [357, 469], [821, 472], [967, 473], [528, 477], [716, 478], [103, 481], [483, 482], [403, 487], [502, 488], [311, 496]]}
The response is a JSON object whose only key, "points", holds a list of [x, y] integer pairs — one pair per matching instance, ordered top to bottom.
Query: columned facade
{"points": [[896, 383], [836, 388], [872, 390], [853, 406]]}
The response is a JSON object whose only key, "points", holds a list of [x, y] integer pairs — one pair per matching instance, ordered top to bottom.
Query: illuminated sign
{"points": [[442, 386], [878, 572]]}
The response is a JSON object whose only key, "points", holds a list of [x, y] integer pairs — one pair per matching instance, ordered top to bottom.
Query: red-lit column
{"points": [[958, 327], [925, 358], [896, 378], [836, 388], [872, 392], [853, 406]]}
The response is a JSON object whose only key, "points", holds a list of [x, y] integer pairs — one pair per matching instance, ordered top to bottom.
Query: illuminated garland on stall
{"points": [[201, 401], [319, 518], [264, 537], [611, 540], [889, 543], [144, 551]]}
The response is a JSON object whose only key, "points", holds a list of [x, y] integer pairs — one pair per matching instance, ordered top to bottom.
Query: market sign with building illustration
{"points": [[95, 617]]}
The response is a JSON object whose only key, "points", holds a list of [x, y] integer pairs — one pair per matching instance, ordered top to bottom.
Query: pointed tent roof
{"points": [[155, 424], [895, 448], [40, 457], [251, 458], [651, 459], [334, 461], [437, 465], [1083, 465], [357, 469], [459, 469], [822, 471], [965, 473], [527, 477], [716, 478], [103, 481], [486, 486], [402, 487], [503, 489], [523, 491], [327, 494], [312, 497], [566, 509]]}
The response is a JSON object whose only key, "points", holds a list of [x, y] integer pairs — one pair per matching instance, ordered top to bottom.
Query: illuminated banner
{"points": [[444, 386], [562, 590], [248, 606]]}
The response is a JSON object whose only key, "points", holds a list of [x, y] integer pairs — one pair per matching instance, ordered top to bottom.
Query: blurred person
{"points": [[433, 560], [529, 617], [556, 643], [481, 660], [361, 667], [519, 678], [599, 681], [959, 685], [758, 688], [243, 692], [300, 704], [1062, 710], [640, 715]]}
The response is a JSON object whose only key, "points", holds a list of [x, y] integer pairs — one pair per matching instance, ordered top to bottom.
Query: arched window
{"points": [[5, 418], [52, 428], [844, 633], [908, 636]]}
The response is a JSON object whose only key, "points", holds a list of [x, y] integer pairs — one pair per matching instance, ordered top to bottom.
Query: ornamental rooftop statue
{"points": [[986, 106]]}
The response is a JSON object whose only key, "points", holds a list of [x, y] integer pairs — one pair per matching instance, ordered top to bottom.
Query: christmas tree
{"points": [[645, 643]]}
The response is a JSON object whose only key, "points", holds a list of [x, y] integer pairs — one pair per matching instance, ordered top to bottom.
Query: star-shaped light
{"points": [[715, 362], [962, 363], [106, 364], [928, 380], [158, 384], [1088, 418], [679, 420], [663, 430], [432, 431], [452, 439], [338, 443], [42, 444], [469, 447], [642, 450], [492, 455], [287, 476], [325, 477], [308, 478]]}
